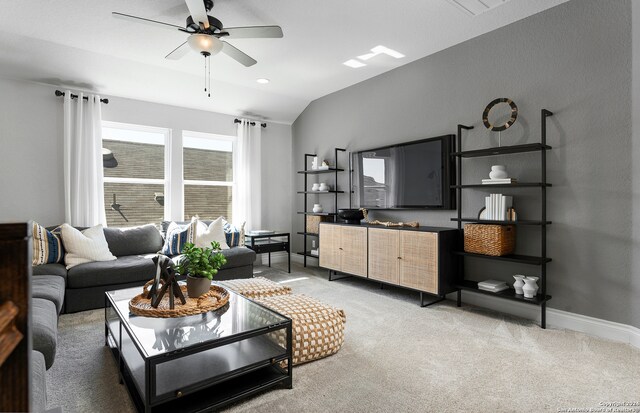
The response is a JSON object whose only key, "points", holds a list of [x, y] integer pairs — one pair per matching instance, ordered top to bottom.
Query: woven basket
{"points": [[313, 223], [495, 240], [217, 297]]}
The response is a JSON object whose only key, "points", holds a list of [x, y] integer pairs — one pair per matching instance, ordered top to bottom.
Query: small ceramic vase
{"points": [[498, 172], [315, 187], [323, 187], [317, 208], [518, 284], [530, 288]]}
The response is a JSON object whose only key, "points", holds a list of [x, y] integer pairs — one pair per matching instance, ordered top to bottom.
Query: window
{"points": [[134, 173], [208, 175]]}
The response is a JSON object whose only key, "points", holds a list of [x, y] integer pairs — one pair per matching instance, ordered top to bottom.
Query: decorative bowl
{"points": [[351, 216]]}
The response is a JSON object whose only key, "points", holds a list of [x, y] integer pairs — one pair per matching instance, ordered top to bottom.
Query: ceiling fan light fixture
{"points": [[204, 43]]}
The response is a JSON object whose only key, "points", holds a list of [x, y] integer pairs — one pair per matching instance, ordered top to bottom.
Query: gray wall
{"points": [[575, 60], [31, 170]]}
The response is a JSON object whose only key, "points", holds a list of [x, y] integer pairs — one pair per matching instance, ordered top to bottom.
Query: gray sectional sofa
{"points": [[85, 284], [56, 290]]}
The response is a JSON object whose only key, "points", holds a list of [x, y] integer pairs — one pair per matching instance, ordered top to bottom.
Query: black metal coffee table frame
{"points": [[209, 393]]}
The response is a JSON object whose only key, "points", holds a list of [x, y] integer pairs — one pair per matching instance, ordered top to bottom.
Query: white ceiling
{"points": [[78, 43]]}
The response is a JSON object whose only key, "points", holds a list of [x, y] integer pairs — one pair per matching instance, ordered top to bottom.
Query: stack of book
{"points": [[499, 181], [497, 208], [492, 285]]}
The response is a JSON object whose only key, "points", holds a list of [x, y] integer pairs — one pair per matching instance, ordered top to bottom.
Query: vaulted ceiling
{"points": [[77, 43]]}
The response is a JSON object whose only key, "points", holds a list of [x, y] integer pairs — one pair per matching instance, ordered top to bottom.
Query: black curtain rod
{"points": [[59, 93], [264, 125]]}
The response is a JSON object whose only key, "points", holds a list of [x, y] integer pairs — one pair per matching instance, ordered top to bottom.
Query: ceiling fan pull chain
{"points": [[209, 59], [205, 73]]}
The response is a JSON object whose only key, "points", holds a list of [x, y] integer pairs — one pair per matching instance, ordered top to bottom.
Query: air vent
{"points": [[476, 7]]}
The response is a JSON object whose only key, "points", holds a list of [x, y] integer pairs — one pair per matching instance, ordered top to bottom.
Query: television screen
{"points": [[411, 175]]}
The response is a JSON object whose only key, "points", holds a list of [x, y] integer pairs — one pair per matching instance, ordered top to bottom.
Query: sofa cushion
{"points": [[205, 235], [234, 235], [178, 236], [145, 239], [47, 245], [85, 246], [236, 257], [50, 269], [127, 269], [49, 287], [45, 329], [38, 382]]}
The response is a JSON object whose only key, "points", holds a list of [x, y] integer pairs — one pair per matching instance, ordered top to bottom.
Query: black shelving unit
{"points": [[306, 192], [541, 261]]}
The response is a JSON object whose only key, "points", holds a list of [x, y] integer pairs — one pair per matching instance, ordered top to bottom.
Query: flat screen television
{"points": [[412, 175]]}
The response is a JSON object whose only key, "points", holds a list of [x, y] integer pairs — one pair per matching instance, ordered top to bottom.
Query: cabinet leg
{"points": [[330, 275], [381, 286], [459, 299], [437, 300], [543, 315]]}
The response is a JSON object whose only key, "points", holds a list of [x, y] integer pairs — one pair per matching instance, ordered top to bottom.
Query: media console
{"points": [[419, 259]]}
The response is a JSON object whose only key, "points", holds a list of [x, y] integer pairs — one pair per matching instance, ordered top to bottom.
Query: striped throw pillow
{"points": [[234, 235], [178, 236], [47, 245]]}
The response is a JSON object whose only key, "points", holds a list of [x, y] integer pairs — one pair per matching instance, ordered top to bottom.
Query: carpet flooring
{"points": [[397, 357]]}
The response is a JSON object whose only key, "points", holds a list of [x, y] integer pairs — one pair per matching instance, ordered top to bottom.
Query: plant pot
{"points": [[197, 286]]}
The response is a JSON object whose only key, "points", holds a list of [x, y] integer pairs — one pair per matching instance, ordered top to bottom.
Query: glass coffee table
{"points": [[200, 362]]}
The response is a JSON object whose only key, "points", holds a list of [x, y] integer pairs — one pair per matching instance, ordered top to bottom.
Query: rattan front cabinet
{"points": [[344, 248], [404, 258], [420, 259]]}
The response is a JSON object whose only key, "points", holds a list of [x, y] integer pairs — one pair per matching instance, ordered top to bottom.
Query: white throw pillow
{"points": [[214, 232], [86, 246]]}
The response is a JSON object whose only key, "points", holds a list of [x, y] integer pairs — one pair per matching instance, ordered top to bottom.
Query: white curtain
{"points": [[83, 177], [247, 195]]}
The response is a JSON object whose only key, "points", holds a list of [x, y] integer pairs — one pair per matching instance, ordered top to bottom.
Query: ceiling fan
{"points": [[207, 35]]}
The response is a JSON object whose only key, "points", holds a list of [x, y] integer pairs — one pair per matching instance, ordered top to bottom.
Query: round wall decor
{"points": [[511, 121]]}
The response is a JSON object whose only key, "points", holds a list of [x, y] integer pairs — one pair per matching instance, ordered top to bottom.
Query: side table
{"points": [[268, 243]]}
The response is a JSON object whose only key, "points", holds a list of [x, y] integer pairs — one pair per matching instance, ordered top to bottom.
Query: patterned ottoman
{"points": [[256, 287], [318, 329]]}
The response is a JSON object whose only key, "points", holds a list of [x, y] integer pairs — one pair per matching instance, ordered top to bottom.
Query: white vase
{"points": [[498, 172], [315, 187], [323, 187], [317, 208], [519, 284], [530, 288]]}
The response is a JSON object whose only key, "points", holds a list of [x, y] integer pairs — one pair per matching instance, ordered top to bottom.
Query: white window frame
{"points": [[212, 136], [167, 161]]}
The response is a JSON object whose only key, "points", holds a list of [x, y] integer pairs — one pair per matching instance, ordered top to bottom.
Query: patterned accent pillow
{"points": [[234, 235], [177, 236], [47, 245]]}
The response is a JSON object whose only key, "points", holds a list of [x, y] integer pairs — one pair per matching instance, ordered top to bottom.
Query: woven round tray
{"points": [[216, 297]]}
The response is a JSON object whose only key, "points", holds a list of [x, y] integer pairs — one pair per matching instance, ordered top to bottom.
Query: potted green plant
{"points": [[200, 265]]}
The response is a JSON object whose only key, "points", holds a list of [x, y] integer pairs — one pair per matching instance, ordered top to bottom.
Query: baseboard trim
{"points": [[558, 318]]}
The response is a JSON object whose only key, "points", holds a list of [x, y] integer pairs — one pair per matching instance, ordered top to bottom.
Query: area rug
{"points": [[397, 357]]}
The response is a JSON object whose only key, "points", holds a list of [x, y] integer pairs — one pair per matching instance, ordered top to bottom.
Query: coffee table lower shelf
{"points": [[213, 397]]}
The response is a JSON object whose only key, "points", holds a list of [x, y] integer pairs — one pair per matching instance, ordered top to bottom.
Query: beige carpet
{"points": [[396, 357]]}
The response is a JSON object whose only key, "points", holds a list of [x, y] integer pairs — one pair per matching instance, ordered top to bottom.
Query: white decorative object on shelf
{"points": [[314, 162], [498, 172], [315, 187], [323, 187], [317, 208], [519, 283], [492, 285], [530, 288]]}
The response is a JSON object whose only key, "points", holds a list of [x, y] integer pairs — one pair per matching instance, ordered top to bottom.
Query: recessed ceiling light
{"points": [[381, 50], [354, 63], [263, 81]]}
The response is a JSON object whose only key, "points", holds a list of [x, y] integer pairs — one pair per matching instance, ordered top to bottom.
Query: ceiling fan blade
{"points": [[198, 12], [155, 23], [254, 32], [179, 52], [238, 55]]}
